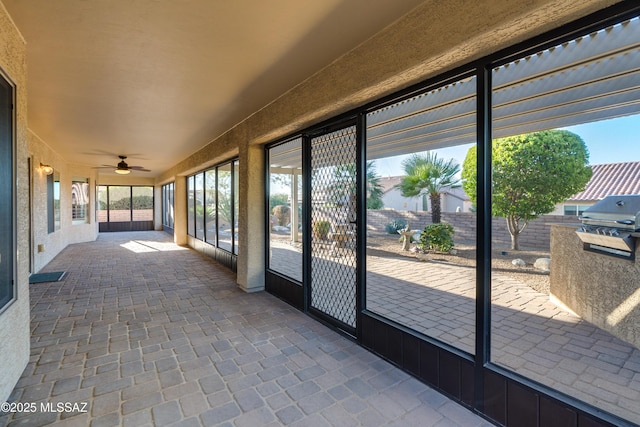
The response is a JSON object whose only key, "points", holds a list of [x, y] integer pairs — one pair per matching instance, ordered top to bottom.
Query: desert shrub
{"points": [[278, 199], [139, 202], [281, 213], [395, 225], [321, 229], [437, 237]]}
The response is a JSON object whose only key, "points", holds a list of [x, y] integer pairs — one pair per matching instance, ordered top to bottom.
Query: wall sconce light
{"points": [[47, 169]]}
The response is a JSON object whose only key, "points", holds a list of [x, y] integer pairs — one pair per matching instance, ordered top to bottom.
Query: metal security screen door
{"points": [[333, 214]]}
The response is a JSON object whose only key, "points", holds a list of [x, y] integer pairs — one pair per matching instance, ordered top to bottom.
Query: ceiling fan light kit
{"points": [[123, 167]]}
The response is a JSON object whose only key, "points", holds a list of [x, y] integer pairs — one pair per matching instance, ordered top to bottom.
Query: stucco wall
{"points": [[435, 37], [32, 230], [69, 233], [602, 289], [14, 320]]}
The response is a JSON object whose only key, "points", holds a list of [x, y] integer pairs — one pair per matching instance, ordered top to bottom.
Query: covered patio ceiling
{"points": [[591, 79], [158, 80], [587, 80]]}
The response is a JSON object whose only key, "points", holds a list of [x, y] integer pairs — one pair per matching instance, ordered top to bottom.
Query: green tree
{"points": [[428, 174], [530, 174], [374, 188], [343, 189], [224, 197], [277, 199]]}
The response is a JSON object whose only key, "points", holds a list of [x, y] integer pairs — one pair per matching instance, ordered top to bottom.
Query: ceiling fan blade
{"points": [[124, 166]]}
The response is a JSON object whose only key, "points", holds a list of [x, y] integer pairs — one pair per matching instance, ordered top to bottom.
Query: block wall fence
{"points": [[536, 236]]}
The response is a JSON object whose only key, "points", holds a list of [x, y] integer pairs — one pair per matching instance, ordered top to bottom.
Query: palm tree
{"points": [[427, 174], [344, 185], [374, 188]]}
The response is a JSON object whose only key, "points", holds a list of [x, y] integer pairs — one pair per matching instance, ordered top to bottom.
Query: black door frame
{"points": [[307, 137]]}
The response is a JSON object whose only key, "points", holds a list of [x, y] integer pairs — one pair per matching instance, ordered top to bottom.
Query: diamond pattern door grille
{"points": [[333, 215]]}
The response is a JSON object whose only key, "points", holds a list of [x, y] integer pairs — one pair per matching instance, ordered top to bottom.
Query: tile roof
{"points": [[611, 178], [389, 182]]}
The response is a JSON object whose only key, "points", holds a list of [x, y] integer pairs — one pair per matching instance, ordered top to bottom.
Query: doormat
{"points": [[55, 276]]}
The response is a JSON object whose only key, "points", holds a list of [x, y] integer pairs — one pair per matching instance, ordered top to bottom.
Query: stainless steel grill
{"points": [[612, 224]]}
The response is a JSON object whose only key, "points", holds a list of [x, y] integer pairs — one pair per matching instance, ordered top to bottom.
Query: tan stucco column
{"points": [[157, 211], [180, 211], [251, 222]]}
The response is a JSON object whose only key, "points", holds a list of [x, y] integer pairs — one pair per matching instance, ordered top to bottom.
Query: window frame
{"points": [[84, 217], [168, 217], [209, 238], [11, 287]]}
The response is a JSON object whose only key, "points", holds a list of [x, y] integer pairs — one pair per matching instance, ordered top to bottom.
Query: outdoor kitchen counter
{"points": [[602, 289]]}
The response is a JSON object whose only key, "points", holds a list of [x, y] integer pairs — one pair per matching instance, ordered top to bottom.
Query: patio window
{"points": [[588, 87], [415, 149], [7, 195], [80, 201], [53, 202], [142, 203], [236, 203], [199, 206], [213, 206], [225, 207], [125, 208], [285, 209], [191, 210], [574, 210], [168, 215]]}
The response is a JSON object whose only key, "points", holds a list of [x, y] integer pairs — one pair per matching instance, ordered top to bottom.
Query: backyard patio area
{"points": [[143, 332], [530, 335]]}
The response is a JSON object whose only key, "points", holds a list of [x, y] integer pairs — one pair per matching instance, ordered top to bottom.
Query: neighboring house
{"points": [[607, 179], [452, 199]]}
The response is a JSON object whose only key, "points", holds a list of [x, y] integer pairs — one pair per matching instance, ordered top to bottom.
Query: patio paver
{"points": [[149, 333], [530, 335]]}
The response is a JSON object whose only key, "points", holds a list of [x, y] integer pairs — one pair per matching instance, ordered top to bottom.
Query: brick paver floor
{"points": [[148, 333], [530, 335]]}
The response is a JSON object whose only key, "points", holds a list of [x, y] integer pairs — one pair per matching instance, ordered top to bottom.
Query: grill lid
{"points": [[620, 211]]}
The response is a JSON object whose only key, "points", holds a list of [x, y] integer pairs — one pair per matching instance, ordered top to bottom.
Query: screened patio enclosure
{"points": [[125, 208], [469, 329]]}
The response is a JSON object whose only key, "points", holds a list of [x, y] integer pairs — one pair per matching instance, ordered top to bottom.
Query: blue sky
{"points": [[608, 141], [611, 141]]}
